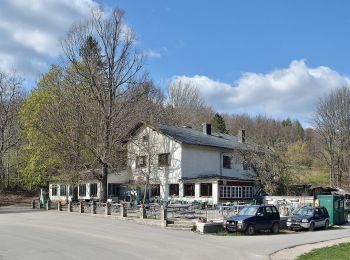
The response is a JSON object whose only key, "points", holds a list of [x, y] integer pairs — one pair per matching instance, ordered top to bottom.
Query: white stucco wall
{"points": [[157, 144], [199, 160], [236, 170]]}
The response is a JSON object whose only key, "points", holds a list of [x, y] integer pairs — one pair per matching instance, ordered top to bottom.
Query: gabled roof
{"points": [[191, 136]]}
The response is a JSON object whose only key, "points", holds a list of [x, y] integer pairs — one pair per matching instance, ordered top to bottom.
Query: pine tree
{"points": [[218, 124]]}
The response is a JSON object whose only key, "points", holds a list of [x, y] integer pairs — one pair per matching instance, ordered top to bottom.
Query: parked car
{"points": [[254, 218], [309, 218]]}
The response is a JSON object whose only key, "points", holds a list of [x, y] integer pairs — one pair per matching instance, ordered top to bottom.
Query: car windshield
{"points": [[248, 211], [305, 212]]}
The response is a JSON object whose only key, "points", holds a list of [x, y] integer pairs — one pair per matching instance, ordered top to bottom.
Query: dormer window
{"points": [[226, 162]]}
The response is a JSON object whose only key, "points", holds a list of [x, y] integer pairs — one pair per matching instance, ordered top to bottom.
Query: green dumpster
{"points": [[335, 206]]}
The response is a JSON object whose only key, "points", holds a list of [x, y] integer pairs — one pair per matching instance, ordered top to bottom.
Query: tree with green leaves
{"points": [[218, 124]]}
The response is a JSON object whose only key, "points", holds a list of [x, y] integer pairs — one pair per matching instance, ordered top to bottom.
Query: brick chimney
{"points": [[207, 128], [241, 136]]}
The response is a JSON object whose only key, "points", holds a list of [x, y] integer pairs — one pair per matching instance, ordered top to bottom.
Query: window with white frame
{"points": [[93, 189], [54, 190], [63, 190], [82, 190], [225, 191], [236, 191]]}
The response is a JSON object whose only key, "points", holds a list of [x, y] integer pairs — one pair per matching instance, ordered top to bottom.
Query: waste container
{"points": [[335, 206]]}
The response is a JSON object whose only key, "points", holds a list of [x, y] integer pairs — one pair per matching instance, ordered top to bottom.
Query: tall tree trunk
{"points": [[104, 183]]}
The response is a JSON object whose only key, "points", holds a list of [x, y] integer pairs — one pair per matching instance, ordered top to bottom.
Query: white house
{"points": [[186, 164], [90, 187]]}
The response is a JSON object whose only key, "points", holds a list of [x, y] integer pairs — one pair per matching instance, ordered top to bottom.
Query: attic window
{"points": [[145, 138], [164, 159], [141, 161], [226, 162], [246, 166]]}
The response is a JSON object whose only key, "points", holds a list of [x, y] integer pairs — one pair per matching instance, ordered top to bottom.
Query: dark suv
{"points": [[254, 218], [309, 218]]}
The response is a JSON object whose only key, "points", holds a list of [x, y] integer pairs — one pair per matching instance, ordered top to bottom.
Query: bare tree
{"points": [[101, 52], [10, 101], [186, 107], [332, 123]]}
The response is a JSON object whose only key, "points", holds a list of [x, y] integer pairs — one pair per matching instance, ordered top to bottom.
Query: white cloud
{"points": [[30, 31], [152, 54], [284, 92]]}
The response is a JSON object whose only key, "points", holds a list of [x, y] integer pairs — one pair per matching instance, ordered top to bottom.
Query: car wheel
{"points": [[326, 225], [312, 226], [275, 228], [250, 230]]}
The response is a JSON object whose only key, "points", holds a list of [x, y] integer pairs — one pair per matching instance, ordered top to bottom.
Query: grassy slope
{"points": [[341, 251]]}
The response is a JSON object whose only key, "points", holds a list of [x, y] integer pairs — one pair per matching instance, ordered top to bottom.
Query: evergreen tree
{"points": [[287, 122], [218, 124]]}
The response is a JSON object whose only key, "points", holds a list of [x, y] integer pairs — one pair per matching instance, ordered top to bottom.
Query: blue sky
{"points": [[222, 39], [275, 58]]}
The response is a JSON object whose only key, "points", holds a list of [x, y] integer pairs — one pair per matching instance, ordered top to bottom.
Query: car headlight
{"points": [[289, 220], [305, 220], [240, 222]]}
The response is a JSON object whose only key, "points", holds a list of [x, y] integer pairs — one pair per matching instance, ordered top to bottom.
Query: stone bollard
{"points": [[33, 204], [48, 205], [59, 206], [81, 207], [93, 207], [70, 208], [108, 209], [123, 210], [143, 211], [163, 216]]}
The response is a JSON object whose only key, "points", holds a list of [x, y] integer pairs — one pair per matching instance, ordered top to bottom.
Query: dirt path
{"points": [[19, 197], [293, 252]]}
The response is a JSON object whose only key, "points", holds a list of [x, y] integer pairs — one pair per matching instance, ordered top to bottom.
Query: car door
{"points": [[318, 218], [260, 222]]}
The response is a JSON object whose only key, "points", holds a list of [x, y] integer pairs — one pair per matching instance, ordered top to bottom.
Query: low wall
{"points": [[209, 227]]}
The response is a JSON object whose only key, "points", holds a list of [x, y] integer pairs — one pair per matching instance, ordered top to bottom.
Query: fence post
{"points": [[33, 204], [48, 205], [59, 206], [69, 207], [81, 207], [93, 207], [108, 208], [123, 210], [143, 211], [163, 216]]}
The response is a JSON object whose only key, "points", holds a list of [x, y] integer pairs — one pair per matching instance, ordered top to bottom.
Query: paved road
{"points": [[28, 234]]}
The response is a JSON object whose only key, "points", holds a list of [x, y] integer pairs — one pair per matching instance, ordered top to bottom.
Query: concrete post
{"points": [[33, 204], [48, 205], [59, 206], [81, 207], [93, 207], [108, 208], [69, 209], [123, 210], [143, 211], [163, 216]]}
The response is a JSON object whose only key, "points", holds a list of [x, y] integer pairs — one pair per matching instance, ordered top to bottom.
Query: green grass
{"points": [[341, 252]]}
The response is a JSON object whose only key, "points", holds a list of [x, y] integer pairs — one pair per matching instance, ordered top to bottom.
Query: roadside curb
{"points": [[292, 252]]}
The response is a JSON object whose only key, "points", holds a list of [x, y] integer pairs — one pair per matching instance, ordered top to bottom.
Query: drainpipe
{"points": [[221, 163]]}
